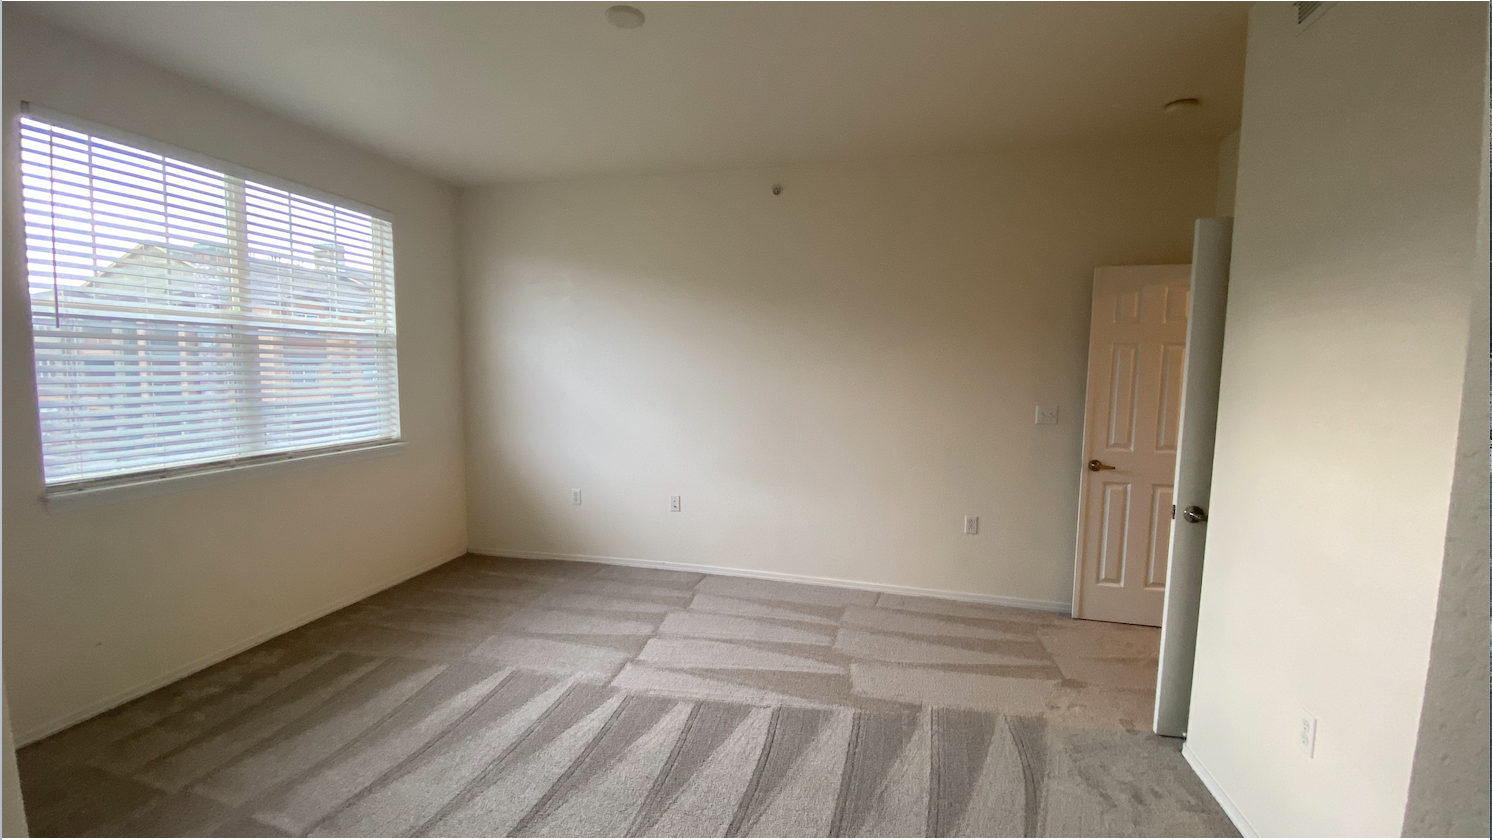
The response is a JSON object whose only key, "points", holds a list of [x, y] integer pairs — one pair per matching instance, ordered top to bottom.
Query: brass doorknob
{"points": [[1095, 465]]}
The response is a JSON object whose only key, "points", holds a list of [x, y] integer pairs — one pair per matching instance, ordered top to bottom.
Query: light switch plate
{"points": [[1046, 415], [1306, 737]]}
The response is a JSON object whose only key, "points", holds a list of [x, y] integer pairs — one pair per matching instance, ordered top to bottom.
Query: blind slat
{"points": [[184, 316]]}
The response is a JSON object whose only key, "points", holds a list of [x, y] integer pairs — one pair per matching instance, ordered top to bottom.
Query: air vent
{"points": [[1307, 13]]}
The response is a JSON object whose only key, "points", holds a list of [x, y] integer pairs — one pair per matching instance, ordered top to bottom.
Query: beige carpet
{"points": [[495, 697]]}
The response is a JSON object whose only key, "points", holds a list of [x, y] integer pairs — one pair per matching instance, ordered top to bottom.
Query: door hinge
{"points": [[1173, 513]]}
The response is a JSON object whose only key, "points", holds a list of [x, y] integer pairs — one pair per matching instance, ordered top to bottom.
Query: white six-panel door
{"points": [[1137, 349]]}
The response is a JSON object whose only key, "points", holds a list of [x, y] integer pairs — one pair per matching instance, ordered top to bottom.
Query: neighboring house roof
{"points": [[190, 277]]}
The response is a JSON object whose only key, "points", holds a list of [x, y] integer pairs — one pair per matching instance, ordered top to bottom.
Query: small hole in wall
{"points": [[776, 189]]}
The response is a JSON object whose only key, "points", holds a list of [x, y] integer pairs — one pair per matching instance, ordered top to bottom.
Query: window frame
{"points": [[88, 492]]}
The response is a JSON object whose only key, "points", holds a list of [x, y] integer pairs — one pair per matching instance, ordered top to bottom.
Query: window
{"points": [[188, 314]]}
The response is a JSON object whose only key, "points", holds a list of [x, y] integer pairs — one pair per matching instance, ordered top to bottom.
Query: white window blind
{"points": [[187, 314]]}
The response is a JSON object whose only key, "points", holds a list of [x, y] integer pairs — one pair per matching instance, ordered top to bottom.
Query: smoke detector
{"points": [[624, 17]]}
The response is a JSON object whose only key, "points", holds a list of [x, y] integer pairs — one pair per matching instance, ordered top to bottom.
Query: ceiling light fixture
{"points": [[624, 17], [1181, 106]]}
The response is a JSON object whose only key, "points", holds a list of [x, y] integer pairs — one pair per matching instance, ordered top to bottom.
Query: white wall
{"points": [[1227, 174], [1355, 264], [831, 378], [102, 602], [1449, 785], [13, 813]]}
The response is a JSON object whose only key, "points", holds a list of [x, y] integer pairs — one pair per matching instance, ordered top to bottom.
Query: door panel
{"points": [[1177, 303], [1136, 364], [1123, 385], [1168, 421], [1115, 534], [1160, 538]]}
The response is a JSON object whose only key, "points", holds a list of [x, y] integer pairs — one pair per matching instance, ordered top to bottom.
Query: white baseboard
{"points": [[968, 597], [35, 733], [1217, 792]]}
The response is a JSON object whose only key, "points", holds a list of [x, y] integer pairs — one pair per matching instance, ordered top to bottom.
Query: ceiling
{"points": [[486, 92]]}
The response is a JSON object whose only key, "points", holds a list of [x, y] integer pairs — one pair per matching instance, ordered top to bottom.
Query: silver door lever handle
{"points": [[1095, 465]]}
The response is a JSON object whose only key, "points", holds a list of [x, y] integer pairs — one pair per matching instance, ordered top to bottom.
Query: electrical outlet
{"points": [[1046, 415], [575, 496], [676, 503], [971, 524], [1307, 734]]}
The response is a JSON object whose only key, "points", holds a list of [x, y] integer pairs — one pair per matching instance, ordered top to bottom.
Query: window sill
{"points": [[59, 501]]}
